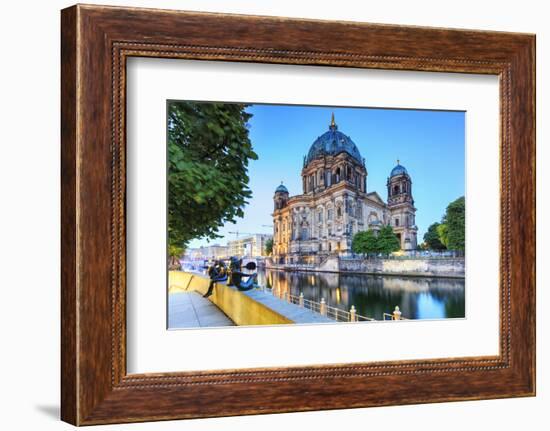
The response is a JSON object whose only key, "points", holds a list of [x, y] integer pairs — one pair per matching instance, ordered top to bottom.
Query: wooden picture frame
{"points": [[95, 43]]}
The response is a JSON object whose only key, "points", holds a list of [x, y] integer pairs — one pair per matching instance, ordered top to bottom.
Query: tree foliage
{"points": [[208, 154], [455, 219], [451, 232], [443, 233], [431, 238], [387, 240], [364, 242], [368, 242], [269, 246], [175, 252]]}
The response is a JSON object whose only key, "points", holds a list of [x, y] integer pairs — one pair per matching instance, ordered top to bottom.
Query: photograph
{"points": [[300, 214]]}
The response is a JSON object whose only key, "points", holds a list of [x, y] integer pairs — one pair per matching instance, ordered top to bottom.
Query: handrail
{"points": [[322, 308]]}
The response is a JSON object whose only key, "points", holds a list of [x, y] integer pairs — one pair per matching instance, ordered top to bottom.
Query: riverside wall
{"points": [[419, 267], [425, 267], [252, 307]]}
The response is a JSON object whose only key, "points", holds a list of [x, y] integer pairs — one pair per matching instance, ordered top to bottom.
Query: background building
{"points": [[249, 246], [214, 251]]}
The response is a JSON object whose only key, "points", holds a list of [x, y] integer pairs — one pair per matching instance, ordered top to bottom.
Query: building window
{"points": [[396, 190], [339, 211], [329, 214], [320, 216], [397, 222]]}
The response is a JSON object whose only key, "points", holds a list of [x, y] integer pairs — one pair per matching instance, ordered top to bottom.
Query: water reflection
{"points": [[373, 295]]}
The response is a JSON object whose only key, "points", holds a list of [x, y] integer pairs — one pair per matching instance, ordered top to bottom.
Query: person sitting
{"points": [[217, 272], [241, 280]]}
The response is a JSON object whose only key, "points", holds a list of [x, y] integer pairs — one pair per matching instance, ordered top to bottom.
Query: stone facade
{"points": [[336, 204]]}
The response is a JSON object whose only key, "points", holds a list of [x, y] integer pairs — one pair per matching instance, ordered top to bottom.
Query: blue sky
{"points": [[430, 144]]}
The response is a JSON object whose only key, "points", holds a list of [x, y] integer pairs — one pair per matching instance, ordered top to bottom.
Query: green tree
{"points": [[208, 154], [455, 219], [443, 233], [431, 238], [388, 241], [364, 242], [269, 246], [174, 253]]}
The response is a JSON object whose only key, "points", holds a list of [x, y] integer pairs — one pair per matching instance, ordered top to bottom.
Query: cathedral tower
{"points": [[281, 197], [401, 207]]}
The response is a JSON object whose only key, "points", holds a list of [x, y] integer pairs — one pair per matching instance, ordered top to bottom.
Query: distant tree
{"points": [[208, 154], [455, 219], [443, 233], [431, 238], [388, 241], [364, 242], [269, 246], [174, 254]]}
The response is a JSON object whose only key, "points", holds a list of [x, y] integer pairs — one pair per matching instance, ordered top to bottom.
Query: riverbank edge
{"points": [[414, 267], [389, 274]]}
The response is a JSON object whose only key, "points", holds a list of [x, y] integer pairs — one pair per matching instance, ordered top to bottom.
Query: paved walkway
{"points": [[191, 310]]}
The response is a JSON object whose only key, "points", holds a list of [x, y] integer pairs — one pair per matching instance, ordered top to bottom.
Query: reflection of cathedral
{"points": [[335, 203]]}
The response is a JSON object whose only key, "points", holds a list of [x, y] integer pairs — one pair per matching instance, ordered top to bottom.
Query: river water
{"points": [[373, 295]]}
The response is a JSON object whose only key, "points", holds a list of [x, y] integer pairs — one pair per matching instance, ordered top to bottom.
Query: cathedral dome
{"points": [[333, 142], [398, 170], [281, 189]]}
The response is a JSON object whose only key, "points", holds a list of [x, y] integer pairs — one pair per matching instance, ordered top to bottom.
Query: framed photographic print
{"points": [[267, 215]]}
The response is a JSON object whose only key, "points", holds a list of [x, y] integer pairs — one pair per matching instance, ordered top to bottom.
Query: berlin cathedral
{"points": [[335, 204]]}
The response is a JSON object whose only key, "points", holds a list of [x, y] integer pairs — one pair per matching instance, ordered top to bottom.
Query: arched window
{"points": [[337, 175], [396, 190], [339, 211]]}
